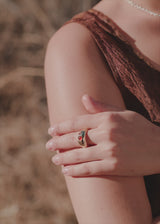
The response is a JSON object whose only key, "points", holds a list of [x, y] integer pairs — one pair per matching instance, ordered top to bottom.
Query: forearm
{"points": [[109, 200]]}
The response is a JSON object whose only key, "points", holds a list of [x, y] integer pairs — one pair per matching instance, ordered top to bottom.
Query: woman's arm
{"points": [[74, 66], [117, 143]]}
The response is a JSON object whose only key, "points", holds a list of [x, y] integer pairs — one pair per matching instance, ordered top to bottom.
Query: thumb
{"points": [[95, 106]]}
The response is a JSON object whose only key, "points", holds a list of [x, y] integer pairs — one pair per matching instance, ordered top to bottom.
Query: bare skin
{"points": [[153, 5], [138, 24], [103, 200]]}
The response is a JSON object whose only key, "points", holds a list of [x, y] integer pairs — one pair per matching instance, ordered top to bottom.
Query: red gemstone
{"points": [[80, 138]]}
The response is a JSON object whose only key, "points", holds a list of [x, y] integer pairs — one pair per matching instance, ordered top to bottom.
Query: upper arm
{"points": [[74, 66]]}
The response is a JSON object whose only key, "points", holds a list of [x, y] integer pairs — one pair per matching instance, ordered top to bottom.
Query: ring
{"points": [[82, 138]]}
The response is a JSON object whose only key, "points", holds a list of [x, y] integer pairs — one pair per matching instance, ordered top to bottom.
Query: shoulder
{"points": [[72, 36], [73, 47], [73, 52], [74, 65]]}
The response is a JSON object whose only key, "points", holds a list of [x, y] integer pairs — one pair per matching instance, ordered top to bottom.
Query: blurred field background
{"points": [[32, 189]]}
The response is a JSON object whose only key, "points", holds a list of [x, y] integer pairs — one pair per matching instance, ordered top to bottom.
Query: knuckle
{"points": [[111, 117], [105, 118], [108, 118], [72, 124], [111, 134], [73, 139], [64, 140], [113, 151], [103, 152], [90, 154], [77, 156], [114, 164], [87, 170], [98, 170]]}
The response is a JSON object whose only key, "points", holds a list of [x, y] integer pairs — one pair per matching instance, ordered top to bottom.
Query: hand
{"points": [[121, 142], [156, 220]]}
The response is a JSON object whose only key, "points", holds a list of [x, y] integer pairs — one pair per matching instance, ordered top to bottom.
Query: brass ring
{"points": [[82, 138]]}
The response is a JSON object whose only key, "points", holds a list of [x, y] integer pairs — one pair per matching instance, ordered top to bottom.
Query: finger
{"points": [[76, 124], [69, 141], [77, 156], [90, 169], [156, 220]]}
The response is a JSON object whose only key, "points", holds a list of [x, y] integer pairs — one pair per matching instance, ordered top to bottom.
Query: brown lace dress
{"points": [[137, 77]]}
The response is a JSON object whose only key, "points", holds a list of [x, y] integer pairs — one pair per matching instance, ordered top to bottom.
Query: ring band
{"points": [[82, 138]]}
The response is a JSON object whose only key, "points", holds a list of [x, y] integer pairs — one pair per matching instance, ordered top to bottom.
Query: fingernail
{"points": [[85, 96], [51, 130], [49, 145], [56, 160], [66, 170]]}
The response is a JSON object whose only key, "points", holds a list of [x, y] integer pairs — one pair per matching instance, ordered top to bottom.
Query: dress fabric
{"points": [[136, 76]]}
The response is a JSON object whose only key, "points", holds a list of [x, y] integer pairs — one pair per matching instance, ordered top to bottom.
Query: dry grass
{"points": [[32, 189]]}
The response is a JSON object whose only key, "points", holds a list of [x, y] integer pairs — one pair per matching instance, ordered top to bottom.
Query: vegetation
{"points": [[32, 189]]}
